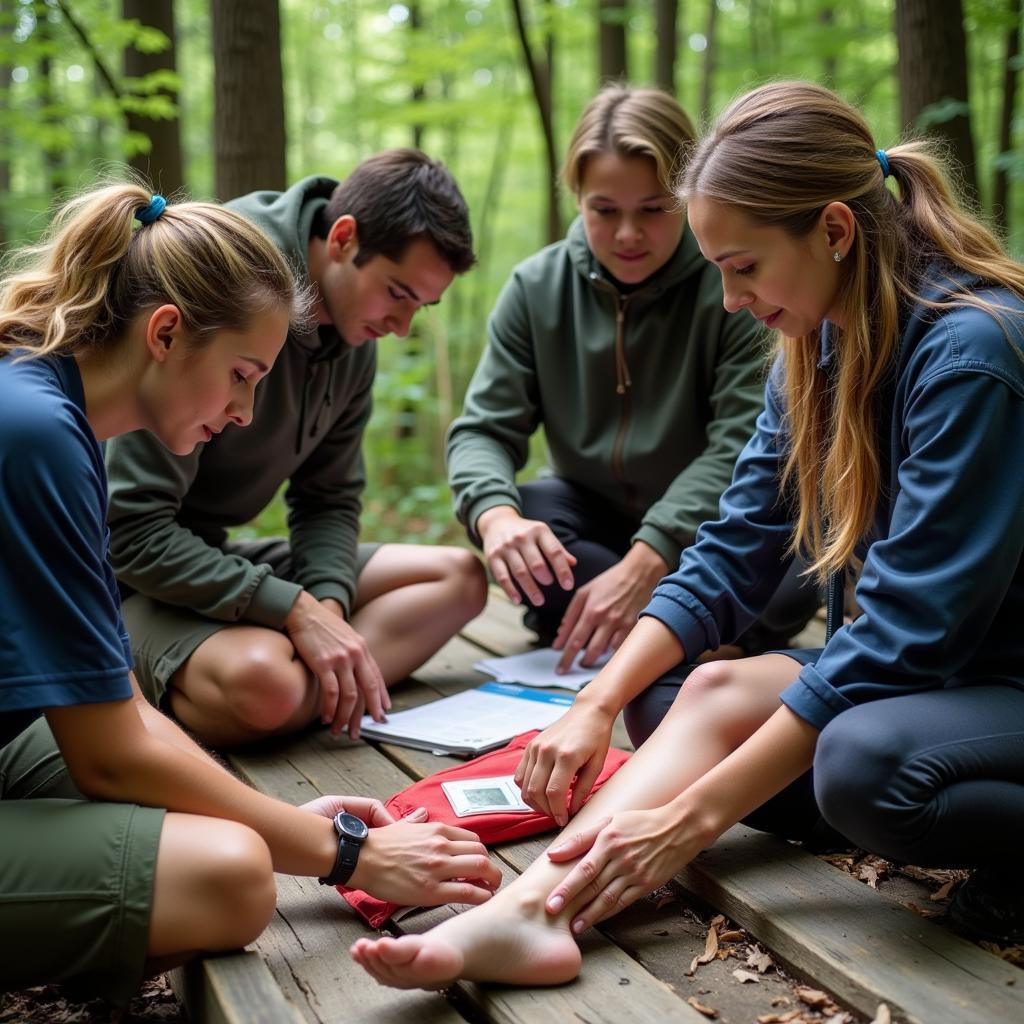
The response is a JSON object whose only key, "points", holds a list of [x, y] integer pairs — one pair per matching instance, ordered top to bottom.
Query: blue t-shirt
{"points": [[62, 639]]}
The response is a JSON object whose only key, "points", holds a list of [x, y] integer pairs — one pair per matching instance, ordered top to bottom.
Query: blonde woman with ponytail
{"points": [[893, 424], [126, 848]]}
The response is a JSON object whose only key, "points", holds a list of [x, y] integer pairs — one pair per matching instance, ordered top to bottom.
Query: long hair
{"points": [[632, 123], [782, 153], [96, 269]]}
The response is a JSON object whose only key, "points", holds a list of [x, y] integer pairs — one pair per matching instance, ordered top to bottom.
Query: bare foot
{"points": [[509, 939]]}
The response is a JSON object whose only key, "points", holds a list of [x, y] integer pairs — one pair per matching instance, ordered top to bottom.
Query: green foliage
{"points": [[360, 77]]}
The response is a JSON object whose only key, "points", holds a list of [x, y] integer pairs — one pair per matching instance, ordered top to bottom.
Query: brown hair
{"points": [[630, 122], [782, 153], [398, 196], [94, 271]]}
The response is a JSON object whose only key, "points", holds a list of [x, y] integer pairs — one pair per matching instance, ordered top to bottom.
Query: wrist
{"points": [[492, 515], [643, 560], [333, 605], [300, 610], [603, 706], [700, 825], [326, 846], [365, 873]]}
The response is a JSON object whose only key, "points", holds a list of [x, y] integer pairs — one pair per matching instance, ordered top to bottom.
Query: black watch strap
{"points": [[347, 856]]}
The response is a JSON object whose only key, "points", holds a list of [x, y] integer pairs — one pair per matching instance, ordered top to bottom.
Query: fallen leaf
{"points": [[943, 893], [665, 901], [922, 911], [717, 920], [733, 935], [710, 950], [759, 960], [743, 976], [811, 996], [781, 1001], [708, 1011], [882, 1015], [779, 1018]]}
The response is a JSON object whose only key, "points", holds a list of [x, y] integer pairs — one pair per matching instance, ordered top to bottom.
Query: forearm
{"points": [[649, 651]]}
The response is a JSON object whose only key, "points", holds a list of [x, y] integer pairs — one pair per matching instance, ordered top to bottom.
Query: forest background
{"points": [[222, 97]]}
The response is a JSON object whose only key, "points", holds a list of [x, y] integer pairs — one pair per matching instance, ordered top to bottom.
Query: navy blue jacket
{"points": [[942, 588]]}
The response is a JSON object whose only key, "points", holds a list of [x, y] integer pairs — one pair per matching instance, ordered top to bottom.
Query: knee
{"points": [[467, 578], [266, 686], [860, 784], [235, 875]]}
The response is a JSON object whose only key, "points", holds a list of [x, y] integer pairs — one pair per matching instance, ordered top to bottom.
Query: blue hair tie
{"points": [[884, 161], [148, 214]]}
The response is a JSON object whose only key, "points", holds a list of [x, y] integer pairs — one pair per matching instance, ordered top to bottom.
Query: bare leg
{"points": [[412, 599], [247, 682], [214, 889], [513, 938]]}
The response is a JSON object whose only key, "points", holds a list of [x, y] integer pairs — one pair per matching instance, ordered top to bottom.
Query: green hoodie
{"points": [[646, 398], [169, 514]]}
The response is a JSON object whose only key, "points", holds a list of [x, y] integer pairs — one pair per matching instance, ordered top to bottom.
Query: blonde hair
{"points": [[632, 123], [782, 153], [93, 272]]}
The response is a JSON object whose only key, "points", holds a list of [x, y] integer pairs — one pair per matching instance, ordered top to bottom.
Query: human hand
{"points": [[523, 551], [603, 611], [340, 660], [574, 747], [371, 811], [622, 858], [425, 865]]}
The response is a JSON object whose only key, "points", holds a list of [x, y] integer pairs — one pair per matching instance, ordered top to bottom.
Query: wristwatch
{"points": [[351, 833]]}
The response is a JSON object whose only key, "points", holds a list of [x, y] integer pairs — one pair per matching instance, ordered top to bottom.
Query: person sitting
{"points": [[615, 341], [896, 394], [245, 639], [126, 848]]}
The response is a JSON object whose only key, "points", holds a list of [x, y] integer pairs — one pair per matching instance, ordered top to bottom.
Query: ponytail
{"points": [[98, 267]]}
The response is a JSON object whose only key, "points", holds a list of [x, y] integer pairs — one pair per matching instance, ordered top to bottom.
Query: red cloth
{"points": [[491, 828]]}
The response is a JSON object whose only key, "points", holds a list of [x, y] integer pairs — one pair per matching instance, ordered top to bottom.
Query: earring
{"points": [[837, 256]]}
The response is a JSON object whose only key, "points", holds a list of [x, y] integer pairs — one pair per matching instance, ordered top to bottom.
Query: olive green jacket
{"points": [[646, 397]]}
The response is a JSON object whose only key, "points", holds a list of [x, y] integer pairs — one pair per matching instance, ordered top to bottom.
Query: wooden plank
{"points": [[856, 943], [237, 988]]}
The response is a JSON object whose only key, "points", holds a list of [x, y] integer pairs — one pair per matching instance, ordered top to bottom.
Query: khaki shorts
{"points": [[164, 636], [76, 877]]}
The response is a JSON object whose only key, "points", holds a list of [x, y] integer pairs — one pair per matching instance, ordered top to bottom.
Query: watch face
{"points": [[351, 826]]}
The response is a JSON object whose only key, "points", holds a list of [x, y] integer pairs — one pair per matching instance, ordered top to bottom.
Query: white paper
{"points": [[537, 668], [474, 720]]}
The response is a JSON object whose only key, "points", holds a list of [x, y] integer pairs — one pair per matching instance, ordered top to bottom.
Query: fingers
{"points": [[558, 558], [523, 575], [502, 576], [597, 646], [371, 685], [329, 687], [348, 696], [356, 718], [523, 768], [585, 779], [557, 790], [373, 812], [575, 845], [585, 874], [614, 897]]}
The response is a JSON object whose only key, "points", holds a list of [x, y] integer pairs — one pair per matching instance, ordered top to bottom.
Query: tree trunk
{"points": [[611, 20], [827, 20], [7, 28], [666, 36], [932, 71], [540, 78], [708, 80], [418, 90], [49, 112], [249, 137], [163, 163], [1000, 183]]}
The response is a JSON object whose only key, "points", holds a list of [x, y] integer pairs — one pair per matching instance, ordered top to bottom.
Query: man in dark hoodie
{"points": [[239, 639]]}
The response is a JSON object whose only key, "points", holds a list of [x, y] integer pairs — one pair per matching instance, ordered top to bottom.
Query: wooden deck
{"points": [[821, 926]]}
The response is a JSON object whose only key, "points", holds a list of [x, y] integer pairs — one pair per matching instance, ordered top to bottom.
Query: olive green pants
{"points": [[76, 877]]}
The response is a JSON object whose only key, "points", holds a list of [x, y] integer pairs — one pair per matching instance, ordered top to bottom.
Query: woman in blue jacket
{"points": [[894, 416]]}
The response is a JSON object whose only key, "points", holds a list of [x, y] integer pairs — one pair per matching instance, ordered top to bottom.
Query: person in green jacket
{"points": [[615, 341], [239, 639]]}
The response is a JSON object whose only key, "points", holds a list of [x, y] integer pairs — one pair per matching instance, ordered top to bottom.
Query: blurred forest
{"points": [[220, 97]]}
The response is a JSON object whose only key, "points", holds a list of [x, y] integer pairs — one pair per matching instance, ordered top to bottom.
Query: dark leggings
{"points": [[599, 536], [934, 779]]}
